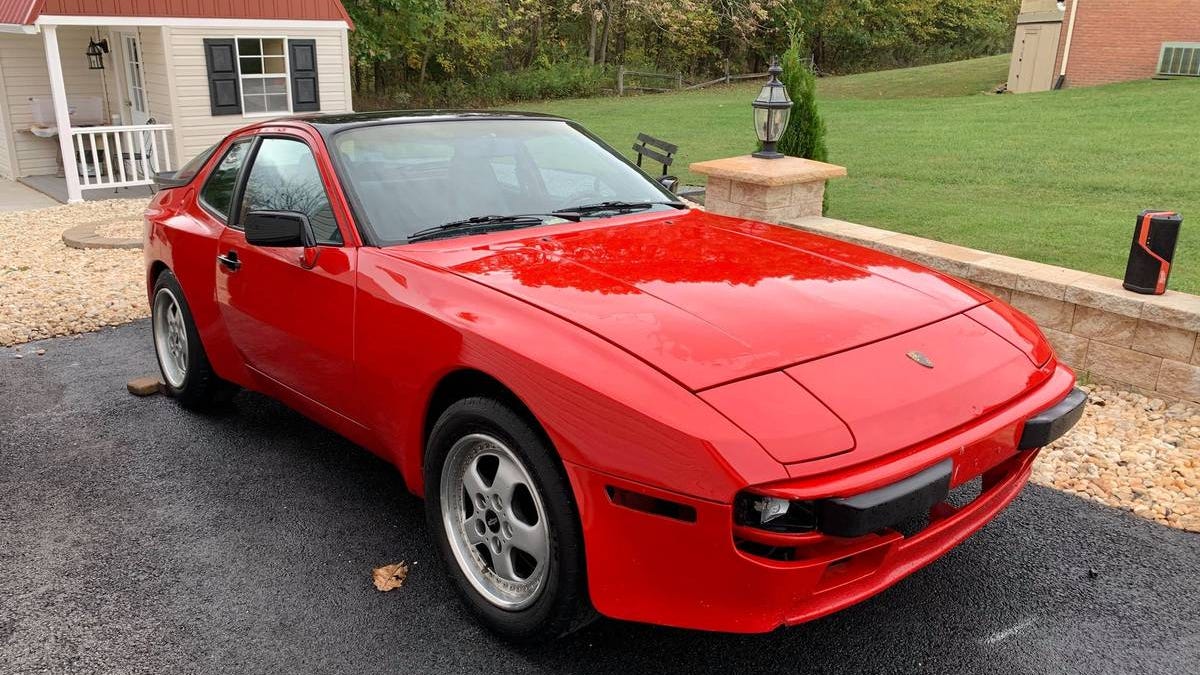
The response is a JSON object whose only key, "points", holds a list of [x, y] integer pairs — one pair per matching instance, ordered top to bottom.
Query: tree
{"points": [[468, 52], [805, 132]]}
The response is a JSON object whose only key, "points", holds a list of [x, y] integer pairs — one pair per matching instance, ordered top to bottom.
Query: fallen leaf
{"points": [[389, 577]]}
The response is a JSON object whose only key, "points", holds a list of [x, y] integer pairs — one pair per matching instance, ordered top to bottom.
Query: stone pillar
{"points": [[770, 190]]}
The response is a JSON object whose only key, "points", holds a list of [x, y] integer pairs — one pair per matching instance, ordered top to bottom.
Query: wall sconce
{"points": [[95, 54]]}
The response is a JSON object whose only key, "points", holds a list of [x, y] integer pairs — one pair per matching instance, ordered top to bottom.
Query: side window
{"points": [[284, 177], [217, 193]]}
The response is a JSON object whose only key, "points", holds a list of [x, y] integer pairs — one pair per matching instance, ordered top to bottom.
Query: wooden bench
{"points": [[657, 150]]}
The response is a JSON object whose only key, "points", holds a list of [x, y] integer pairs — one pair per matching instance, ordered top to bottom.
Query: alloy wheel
{"points": [[170, 337], [495, 521]]}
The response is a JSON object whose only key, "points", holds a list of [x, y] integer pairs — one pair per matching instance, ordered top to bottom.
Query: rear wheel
{"points": [[186, 372], [500, 507]]}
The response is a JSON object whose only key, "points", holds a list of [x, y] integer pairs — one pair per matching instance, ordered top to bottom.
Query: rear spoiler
{"points": [[165, 180]]}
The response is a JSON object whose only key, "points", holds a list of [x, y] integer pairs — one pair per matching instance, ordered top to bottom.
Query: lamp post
{"points": [[771, 111]]}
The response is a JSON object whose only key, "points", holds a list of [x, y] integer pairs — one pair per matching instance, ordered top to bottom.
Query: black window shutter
{"points": [[303, 57], [221, 58]]}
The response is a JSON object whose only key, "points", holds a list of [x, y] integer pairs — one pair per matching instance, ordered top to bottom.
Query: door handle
{"points": [[230, 261]]}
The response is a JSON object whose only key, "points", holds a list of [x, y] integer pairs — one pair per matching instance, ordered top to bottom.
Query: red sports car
{"points": [[612, 403]]}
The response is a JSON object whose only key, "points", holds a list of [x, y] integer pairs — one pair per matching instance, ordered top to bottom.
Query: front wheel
{"points": [[186, 372], [505, 520]]}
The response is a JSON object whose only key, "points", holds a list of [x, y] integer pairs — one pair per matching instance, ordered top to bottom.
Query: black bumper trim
{"points": [[1049, 425], [886, 506]]}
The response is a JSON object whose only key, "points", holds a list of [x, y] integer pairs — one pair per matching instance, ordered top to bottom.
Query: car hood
{"points": [[708, 299]]}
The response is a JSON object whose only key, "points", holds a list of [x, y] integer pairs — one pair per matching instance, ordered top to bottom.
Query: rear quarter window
{"points": [[188, 171], [217, 193]]}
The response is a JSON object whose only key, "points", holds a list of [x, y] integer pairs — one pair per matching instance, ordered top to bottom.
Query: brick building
{"points": [[1090, 42]]}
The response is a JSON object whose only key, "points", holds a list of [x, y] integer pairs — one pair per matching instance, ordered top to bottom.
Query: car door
{"points": [[289, 310]]}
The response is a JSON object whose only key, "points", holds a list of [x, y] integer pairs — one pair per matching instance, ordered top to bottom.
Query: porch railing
{"points": [[121, 156]]}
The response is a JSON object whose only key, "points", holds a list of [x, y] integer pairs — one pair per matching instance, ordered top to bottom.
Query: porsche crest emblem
{"points": [[920, 358]]}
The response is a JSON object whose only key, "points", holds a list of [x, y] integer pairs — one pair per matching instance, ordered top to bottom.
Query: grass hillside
{"points": [[960, 78], [1056, 177]]}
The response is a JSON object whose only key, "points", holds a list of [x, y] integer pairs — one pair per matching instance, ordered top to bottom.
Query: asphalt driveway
{"points": [[135, 537]]}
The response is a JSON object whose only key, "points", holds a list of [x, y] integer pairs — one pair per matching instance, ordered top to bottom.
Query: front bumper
{"points": [[1050, 424], [911, 497], [707, 573]]}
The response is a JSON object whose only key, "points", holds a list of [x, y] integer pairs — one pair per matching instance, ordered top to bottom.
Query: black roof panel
{"points": [[329, 124]]}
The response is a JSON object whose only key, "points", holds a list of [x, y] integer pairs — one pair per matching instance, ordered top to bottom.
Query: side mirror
{"points": [[669, 182], [278, 229]]}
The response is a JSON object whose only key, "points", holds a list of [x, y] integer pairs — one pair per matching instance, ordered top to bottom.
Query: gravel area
{"points": [[48, 289], [1132, 452]]}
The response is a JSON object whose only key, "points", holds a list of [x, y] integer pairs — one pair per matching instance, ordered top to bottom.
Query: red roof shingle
{"points": [[20, 11], [27, 11]]}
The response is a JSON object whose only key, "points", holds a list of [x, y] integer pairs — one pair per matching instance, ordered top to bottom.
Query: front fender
{"points": [[601, 407]]}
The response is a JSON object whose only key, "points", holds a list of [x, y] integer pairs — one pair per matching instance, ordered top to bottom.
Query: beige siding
{"points": [[23, 58], [112, 63], [24, 64], [159, 86], [158, 92], [158, 100], [196, 128]]}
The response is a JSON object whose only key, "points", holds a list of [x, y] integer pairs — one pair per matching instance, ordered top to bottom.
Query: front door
{"points": [[136, 105], [290, 311]]}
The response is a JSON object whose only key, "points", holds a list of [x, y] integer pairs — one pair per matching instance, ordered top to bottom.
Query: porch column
{"points": [[62, 114]]}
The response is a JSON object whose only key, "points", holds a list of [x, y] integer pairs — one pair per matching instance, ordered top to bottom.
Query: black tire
{"points": [[201, 388], [562, 606]]}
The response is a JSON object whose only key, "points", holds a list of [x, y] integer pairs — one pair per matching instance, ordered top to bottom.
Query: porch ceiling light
{"points": [[95, 54], [771, 111]]}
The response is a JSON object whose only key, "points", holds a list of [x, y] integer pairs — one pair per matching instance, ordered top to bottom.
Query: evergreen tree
{"points": [[805, 132]]}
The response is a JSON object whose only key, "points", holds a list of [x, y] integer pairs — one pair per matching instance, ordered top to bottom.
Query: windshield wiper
{"points": [[620, 206], [487, 223], [476, 224]]}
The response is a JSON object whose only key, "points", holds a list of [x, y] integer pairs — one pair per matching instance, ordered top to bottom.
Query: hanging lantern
{"points": [[95, 54], [772, 109]]}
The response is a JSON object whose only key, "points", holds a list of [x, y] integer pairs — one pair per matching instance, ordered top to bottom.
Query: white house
{"points": [[101, 94]]}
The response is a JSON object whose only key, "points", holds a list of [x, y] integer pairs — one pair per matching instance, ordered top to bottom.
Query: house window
{"points": [[262, 64], [262, 75]]}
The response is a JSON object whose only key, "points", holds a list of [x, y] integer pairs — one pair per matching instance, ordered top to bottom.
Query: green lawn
{"points": [[959, 78], [1056, 177]]}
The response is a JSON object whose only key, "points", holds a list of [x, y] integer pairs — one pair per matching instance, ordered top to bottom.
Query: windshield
{"points": [[408, 177]]}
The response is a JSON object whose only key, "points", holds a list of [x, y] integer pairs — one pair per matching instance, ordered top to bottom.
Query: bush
{"points": [[560, 80], [805, 132]]}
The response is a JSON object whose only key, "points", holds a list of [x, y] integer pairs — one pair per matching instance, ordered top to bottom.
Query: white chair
{"points": [[141, 155]]}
